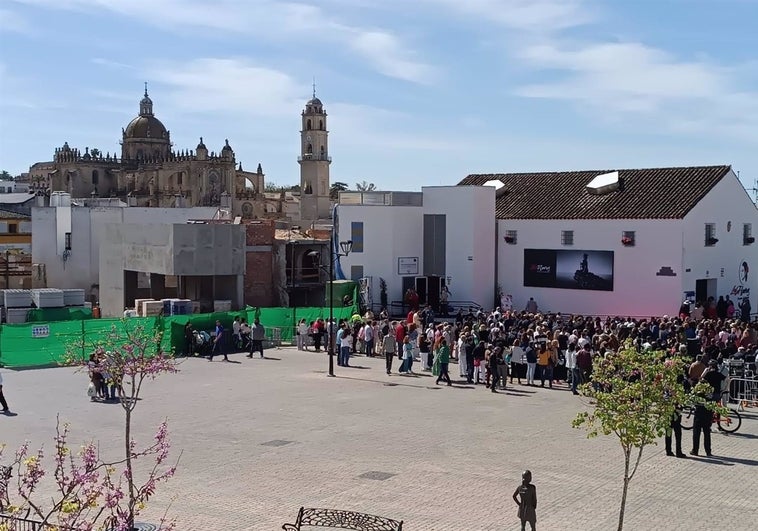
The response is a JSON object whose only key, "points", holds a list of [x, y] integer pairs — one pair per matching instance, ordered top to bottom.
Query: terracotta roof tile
{"points": [[652, 193]]}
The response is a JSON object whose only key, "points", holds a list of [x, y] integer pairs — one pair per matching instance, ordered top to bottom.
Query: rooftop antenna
{"points": [[754, 189]]}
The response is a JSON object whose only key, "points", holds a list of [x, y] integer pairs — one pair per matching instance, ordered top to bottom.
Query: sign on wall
{"points": [[407, 265], [568, 269], [40, 331]]}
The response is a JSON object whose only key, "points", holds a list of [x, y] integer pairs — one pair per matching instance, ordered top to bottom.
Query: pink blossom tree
{"points": [[88, 489]]}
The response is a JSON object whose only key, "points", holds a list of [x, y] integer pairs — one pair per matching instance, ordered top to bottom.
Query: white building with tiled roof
{"points": [[606, 242]]}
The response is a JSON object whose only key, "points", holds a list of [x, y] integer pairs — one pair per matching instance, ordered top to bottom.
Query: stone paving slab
{"points": [[453, 455]]}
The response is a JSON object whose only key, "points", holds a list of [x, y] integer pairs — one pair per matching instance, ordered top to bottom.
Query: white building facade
{"points": [[442, 236], [654, 237], [628, 242]]}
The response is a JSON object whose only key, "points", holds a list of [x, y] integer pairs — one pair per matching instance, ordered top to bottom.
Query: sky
{"points": [[418, 92]]}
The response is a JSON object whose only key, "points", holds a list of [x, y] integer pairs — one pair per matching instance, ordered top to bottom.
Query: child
{"points": [[407, 356], [525, 497]]}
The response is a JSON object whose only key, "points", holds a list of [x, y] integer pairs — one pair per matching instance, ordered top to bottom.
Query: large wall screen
{"points": [[568, 269]]}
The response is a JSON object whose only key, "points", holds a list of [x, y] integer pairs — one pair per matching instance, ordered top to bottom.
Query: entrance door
{"points": [[704, 288], [421, 290], [433, 294]]}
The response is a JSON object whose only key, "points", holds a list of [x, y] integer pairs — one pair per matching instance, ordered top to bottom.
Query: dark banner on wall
{"points": [[568, 269]]}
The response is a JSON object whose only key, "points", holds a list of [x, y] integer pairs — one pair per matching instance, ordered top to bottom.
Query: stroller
{"points": [[203, 343]]}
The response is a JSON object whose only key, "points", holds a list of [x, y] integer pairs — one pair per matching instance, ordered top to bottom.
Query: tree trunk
{"points": [[627, 451], [130, 473]]}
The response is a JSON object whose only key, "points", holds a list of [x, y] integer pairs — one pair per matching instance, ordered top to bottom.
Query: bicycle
{"points": [[728, 423]]}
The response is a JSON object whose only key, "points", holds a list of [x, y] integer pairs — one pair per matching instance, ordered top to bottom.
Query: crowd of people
{"points": [[494, 348]]}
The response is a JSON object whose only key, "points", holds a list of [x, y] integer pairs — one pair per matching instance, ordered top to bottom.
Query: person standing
{"points": [[236, 333], [257, 335], [302, 335], [368, 338], [189, 340], [218, 343], [346, 343], [389, 343], [444, 361], [531, 363], [572, 368], [2, 397], [704, 416], [525, 497]]}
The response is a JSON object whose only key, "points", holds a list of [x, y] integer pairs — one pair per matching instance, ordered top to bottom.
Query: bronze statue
{"points": [[525, 497]]}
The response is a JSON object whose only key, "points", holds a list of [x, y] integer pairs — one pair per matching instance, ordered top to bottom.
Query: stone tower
{"points": [[314, 162]]}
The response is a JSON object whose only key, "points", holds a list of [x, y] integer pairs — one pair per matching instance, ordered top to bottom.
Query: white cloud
{"points": [[539, 16], [275, 20], [385, 52], [620, 82], [229, 85], [643, 85]]}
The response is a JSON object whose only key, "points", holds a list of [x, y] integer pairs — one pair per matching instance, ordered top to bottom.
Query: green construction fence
{"points": [[39, 344]]}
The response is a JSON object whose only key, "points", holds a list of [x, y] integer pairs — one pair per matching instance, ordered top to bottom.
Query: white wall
{"points": [[727, 203], [87, 227], [389, 232], [470, 234], [637, 290]]}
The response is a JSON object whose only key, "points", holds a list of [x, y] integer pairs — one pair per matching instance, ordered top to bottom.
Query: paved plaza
{"points": [[262, 437]]}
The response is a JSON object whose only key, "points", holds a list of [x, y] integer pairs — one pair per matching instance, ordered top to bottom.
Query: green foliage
{"points": [[5, 176], [336, 188], [635, 396]]}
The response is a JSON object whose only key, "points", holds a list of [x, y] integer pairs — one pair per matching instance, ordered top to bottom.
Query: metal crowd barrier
{"points": [[743, 392]]}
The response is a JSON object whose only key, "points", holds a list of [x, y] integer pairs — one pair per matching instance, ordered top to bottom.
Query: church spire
{"points": [[146, 105]]}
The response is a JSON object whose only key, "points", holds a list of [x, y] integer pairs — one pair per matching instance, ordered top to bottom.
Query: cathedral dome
{"points": [[315, 101], [145, 126]]}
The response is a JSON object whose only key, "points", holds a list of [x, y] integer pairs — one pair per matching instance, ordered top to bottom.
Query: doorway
{"points": [[704, 288]]}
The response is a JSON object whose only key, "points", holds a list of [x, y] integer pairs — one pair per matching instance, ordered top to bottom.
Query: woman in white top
{"points": [[302, 334], [517, 361]]}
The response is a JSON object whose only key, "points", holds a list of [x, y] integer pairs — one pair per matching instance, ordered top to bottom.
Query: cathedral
{"points": [[149, 172]]}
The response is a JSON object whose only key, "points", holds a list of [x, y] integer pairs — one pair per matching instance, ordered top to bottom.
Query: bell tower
{"points": [[314, 162]]}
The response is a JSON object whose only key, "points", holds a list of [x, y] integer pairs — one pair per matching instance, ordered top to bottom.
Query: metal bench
{"points": [[334, 518]]}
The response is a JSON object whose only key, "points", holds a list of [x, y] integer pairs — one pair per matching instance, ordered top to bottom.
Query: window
{"points": [[308, 125], [321, 125], [309, 149], [95, 177], [179, 178], [12, 228], [710, 234], [747, 234], [356, 235], [511, 236], [567, 237], [628, 238], [68, 241], [356, 273]]}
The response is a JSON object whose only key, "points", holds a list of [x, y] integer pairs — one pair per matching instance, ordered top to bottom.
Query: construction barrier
{"points": [[39, 344]]}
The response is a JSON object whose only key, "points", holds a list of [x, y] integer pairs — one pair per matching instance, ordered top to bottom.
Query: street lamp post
{"points": [[331, 328]]}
